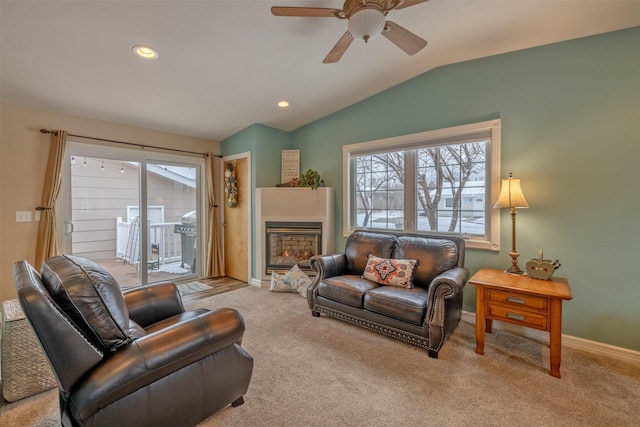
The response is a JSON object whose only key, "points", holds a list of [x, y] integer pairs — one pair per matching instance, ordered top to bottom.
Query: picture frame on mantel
{"points": [[290, 167]]}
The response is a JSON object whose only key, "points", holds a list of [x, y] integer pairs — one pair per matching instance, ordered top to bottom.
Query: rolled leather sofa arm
{"points": [[329, 265], [325, 266], [455, 278], [152, 303], [156, 356]]}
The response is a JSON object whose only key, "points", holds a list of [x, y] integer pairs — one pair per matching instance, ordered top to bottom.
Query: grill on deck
{"points": [[188, 230]]}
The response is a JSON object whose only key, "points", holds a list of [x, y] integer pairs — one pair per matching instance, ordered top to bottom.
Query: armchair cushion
{"points": [[91, 297]]}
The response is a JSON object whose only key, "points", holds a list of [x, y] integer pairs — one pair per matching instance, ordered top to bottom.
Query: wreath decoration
{"points": [[230, 186]]}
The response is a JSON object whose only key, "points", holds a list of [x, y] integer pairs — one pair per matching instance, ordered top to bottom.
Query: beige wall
{"points": [[23, 158]]}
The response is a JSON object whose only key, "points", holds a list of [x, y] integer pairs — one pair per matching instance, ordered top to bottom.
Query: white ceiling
{"points": [[223, 65]]}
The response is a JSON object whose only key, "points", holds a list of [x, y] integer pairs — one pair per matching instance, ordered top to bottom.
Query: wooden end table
{"points": [[523, 301]]}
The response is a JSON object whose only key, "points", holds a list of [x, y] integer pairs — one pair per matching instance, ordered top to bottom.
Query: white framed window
{"points": [[441, 182]]}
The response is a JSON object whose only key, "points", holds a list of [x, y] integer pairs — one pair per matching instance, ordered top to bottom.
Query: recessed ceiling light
{"points": [[145, 52], [283, 104]]}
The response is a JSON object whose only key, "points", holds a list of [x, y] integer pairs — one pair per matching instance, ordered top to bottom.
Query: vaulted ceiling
{"points": [[224, 65]]}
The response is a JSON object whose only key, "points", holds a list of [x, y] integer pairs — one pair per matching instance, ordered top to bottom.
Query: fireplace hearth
{"points": [[291, 242]]}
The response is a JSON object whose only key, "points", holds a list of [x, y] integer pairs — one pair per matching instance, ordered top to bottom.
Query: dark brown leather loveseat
{"points": [[424, 315], [137, 359]]}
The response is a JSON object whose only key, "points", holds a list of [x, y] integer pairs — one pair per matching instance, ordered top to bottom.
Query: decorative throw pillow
{"points": [[389, 271], [295, 280], [299, 280], [278, 284]]}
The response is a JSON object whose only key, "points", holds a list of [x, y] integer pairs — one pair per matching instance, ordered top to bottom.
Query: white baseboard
{"points": [[257, 282], [592, 347]]}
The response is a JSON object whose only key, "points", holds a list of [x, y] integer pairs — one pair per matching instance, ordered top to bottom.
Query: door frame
{"points": [[249, 203]]}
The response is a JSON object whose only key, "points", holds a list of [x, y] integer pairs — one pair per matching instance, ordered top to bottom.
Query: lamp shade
{"points": [[366, 24], [511, 195]]}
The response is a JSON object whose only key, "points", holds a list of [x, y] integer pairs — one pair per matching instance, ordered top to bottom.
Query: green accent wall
{"points": [[570, 131], [265, 145]]}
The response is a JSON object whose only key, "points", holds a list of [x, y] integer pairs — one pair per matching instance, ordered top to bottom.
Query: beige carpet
{"points": [[323, 372]]}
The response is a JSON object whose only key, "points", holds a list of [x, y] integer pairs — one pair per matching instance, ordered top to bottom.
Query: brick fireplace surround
{"points": [[295, 205]]}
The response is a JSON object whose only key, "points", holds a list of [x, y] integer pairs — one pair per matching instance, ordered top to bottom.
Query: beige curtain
{"points": [[47, 246], [215, 264]]}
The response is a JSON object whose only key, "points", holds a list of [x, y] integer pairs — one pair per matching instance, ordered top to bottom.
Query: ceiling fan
{"points": [[366, 20]]}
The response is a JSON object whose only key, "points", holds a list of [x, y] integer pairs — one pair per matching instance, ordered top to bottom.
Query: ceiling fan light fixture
{"points": [[366, 24]]}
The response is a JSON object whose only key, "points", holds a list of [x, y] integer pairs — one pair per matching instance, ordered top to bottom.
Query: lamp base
{"points": [[514, 269], [515, 272]]}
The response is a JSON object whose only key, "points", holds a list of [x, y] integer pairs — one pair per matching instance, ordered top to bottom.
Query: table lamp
{"points": [[511, 197]]}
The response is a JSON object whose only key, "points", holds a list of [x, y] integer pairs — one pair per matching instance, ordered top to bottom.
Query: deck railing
{"points": [[160, 234]]}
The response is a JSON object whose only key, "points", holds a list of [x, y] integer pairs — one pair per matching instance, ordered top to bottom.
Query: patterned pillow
{"points": [[389, 271], [295, 280], [299, 280], [278, 284]]}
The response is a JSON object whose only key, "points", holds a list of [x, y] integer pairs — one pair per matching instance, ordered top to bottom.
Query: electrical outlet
{"points": [[38, 215], [23, 216]]}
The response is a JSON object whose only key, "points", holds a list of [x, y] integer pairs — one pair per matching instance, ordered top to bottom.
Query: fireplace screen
{"points": [[290, 243]]}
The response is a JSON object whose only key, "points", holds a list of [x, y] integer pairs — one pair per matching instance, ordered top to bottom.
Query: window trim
{"points": [[445, 136]]}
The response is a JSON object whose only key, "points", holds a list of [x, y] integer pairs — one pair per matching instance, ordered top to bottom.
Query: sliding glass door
{"points": [[139, 217]]}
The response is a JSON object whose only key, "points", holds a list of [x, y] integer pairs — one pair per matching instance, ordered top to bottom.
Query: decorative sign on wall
{"points": [[290, 166]]}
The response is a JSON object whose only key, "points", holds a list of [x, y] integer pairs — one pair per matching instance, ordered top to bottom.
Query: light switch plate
{"points": [[23, 216]]}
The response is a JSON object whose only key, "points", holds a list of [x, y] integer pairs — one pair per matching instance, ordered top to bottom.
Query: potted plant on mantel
{"points": [[311, 179]]}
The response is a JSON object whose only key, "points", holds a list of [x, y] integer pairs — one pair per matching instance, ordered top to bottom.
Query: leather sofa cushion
{"points": [[360, 244], [434, 257], [348, 289], [91, 297], [408, 305]]}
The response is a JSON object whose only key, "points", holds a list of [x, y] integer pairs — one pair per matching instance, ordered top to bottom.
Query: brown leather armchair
{"points": [[131, 359]]}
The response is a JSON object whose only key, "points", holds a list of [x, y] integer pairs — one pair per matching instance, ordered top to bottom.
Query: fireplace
{"points": [[291, 214], [291, 242]]}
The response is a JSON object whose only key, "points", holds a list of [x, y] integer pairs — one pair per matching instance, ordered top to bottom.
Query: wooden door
{"points": [[236, 225]]}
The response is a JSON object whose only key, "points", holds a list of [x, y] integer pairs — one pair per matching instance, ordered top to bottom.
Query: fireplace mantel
{"points": [[292, 204]]}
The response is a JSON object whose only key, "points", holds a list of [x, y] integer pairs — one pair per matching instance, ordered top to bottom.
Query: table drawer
{"points": [[517, 300], [523, 317]]}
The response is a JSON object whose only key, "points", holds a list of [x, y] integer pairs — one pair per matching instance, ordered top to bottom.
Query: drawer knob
{"points": [[515, 300], [515, 316]]}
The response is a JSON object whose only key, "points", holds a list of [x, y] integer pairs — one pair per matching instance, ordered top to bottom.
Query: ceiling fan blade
{"points": [[407, 3], [320, 12], [403, 38], [339, 49]]}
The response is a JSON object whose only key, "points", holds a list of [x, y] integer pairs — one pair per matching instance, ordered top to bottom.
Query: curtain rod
{"points": [[130, 143]]}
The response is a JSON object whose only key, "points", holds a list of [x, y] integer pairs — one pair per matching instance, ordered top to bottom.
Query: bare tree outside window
{"points": [[445, 171], [442, 176], [380, 190]]}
